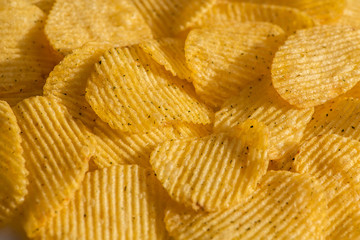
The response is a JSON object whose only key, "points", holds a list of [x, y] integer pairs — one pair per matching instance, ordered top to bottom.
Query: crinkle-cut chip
{"points": [[14, 3], [351, 15], [167, 18], [289, 19], [71, 24], [170, 53], [25, 55], [224, 59], [317, 64], [67, 82], [133, 93], [260, 101], [340, 116], [115, 147], [57, 149], [286, 162], [335, 162], [213, 172], [13, 174], [120, 202], [285, 206]]}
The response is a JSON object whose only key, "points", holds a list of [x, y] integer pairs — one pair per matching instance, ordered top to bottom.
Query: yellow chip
{"points": [[14, 3], [44, 5], [351, 15], [167, 18], [289, 19], [73, 23], [170, 53], [25, 55], [225, 59], [317, 64], [67, 82], [133, 93], [260, 101], [115, 147], [57, 150], [213, 172], [13, 174], [121, 202], [285, 206]]}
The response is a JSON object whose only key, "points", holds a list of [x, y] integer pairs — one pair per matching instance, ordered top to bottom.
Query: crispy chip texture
{"points": [[44, 5], [351, 15], [289, 19], [73, 23], [225, 59], [317, 64], [133, 93], [260, 101], [57, 150], [213, 172], [13, 174], [128, 199], [285, 206]]}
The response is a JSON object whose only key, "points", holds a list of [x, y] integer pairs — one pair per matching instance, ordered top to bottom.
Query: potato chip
{"points": [[14, 3], [44, 5], [351, 15], [167, 18], [289, 19], [73, 23], [170, 53], [25, 55], [223, 60], [317, 64], [133, 93], [260, 101], [115, 147], [57, 150], [216, 171], [13, 174], [121, 202], [285, 206]]}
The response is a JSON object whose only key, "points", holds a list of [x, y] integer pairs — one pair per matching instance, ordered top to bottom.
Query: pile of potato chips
{"points": [[180, 119]]}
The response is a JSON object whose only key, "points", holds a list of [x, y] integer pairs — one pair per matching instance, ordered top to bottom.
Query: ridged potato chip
{"points": [[351, 15], [289, 19], [71, 24], [170, 53], [25, 55], [223, 60], [317, 64], [133, 93], [260, 101], [57, 150], [216, 171], [13, 174], [121, 202], [285, 206]]}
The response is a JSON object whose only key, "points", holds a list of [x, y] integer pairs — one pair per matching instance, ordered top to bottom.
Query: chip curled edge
{"points": [[317, 64], [133, 93], [57, 149], [216, 171], [13, 174], [120, 202], [285, 206]]}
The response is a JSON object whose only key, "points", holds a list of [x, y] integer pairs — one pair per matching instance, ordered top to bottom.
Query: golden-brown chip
{"points": [[44, 5], [351, 15], [73, 23], [170, 53], [224, 59], [317, 64], [133, 93], [260, 101], [57, 150], [216, 171], [13, 174], [121, 202], [285, 206]]}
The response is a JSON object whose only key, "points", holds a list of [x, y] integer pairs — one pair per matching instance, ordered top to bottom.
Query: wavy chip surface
{"points": [[351, 15], [223, 60], [317, 64], [133, 93], [57, 150], [213, 172], [13, 174], [128, 199], [285, 206]]}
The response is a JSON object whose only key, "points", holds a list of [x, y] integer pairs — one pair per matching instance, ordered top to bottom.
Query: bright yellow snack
{"points": [[44, 5], [351, 15]]}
